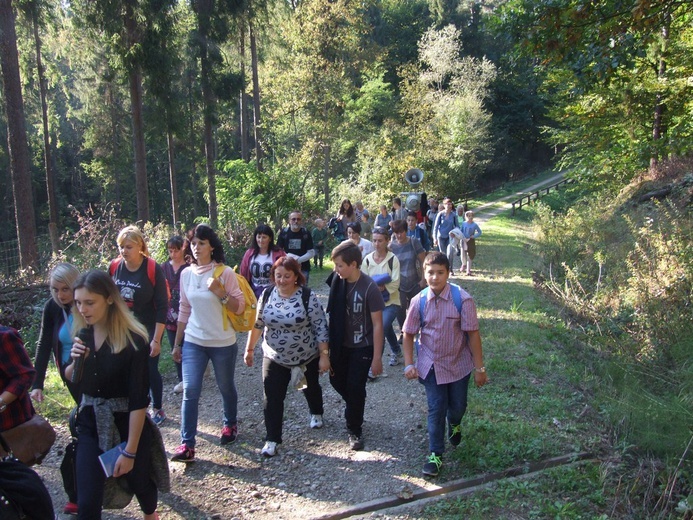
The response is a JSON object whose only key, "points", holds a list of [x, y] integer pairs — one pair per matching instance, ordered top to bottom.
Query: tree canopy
{"points": [[146, 103]]}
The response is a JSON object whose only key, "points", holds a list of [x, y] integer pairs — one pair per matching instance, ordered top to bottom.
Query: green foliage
{"points": [[248, 197], [624, 271]]}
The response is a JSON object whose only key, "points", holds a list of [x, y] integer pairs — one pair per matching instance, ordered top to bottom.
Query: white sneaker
{"points": [[395, 359], [178, 389], [316, 421], [269, 449]]}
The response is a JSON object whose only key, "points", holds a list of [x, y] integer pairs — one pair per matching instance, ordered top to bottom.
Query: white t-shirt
{"points": [[260, 266]]}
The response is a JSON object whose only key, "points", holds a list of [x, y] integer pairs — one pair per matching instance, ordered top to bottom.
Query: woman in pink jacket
{"points": [[259, 259]]}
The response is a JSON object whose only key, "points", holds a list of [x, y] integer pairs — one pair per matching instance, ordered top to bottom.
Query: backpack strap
{"points": [[391, 262], [113, 267], [151, 270], [216, 274], [266, 292], [305, 296], [456, 299]]}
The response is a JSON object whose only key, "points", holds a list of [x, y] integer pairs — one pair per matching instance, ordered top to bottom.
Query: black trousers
{"points": [[349, 376], [275, 382], [90, 475]]}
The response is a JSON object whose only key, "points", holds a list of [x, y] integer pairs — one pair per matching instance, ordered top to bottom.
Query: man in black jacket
{"points": [[297, 242]]}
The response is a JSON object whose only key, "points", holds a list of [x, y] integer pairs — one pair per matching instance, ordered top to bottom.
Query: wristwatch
{"points": [[224, 300], [325, 351], [481, 370], [3, 406]]}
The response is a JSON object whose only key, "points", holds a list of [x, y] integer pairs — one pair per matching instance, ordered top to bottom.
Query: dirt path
{"points": [[489, 210], [315, 473]]}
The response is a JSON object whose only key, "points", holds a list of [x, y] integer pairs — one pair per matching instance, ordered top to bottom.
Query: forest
{"points": [[237, 111]]}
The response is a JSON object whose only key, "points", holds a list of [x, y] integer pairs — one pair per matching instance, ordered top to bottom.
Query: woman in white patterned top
{"points": [[294, 346]]}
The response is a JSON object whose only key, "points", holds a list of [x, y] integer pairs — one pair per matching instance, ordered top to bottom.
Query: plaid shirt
{"points": [[16, 376]]}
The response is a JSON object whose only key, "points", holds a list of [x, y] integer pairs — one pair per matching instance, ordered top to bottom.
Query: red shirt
{"points": [[16, 375]]}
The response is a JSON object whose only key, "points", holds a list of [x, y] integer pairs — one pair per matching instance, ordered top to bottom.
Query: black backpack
{"points": [[23, 494]]}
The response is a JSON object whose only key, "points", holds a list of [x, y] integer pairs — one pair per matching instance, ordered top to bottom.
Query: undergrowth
{"points": [[622, 268]]}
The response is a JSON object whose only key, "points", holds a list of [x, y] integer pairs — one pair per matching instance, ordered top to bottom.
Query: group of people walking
{"points": [[113, 323]]}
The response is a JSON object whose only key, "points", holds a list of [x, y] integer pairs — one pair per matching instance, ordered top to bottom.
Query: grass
{"points": [[533, 408]]}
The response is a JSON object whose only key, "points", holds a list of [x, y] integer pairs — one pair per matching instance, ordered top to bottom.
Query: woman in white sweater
{"points": [[204, 292]]}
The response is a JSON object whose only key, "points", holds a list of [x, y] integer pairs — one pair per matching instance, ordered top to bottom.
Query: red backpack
{"points": [[151, 272]]}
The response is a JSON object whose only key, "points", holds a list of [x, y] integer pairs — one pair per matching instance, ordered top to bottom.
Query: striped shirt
{"points": [[442, 342]]}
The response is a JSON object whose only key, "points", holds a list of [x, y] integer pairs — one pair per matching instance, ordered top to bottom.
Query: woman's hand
{"points": [[215, 285], [154, 348], [79, 349], [177, 354], [248, 357], [324, 364], [37, 395], [123, 466]]}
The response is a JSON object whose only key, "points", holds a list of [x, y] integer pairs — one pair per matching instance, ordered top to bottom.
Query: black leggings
{"points": [[90, 475]]}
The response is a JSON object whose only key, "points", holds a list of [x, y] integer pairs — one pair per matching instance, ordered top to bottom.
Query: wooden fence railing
{"points": [[535, 195]]}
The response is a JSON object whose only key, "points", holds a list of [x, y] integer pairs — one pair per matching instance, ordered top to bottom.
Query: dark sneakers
{"points": [[228, 434], [455, 435], [356, 442], [184, 454], [432, 466]]}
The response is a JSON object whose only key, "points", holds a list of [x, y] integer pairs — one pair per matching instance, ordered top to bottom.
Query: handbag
{"points": [[31, 440], [22, 492]]}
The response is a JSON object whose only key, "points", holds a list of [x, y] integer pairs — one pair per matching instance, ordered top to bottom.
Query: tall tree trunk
{"points": [[204, 13], [135, 79], [256, 96], [657, 123], [17, 139], [115, 140], [193, 146], [245, 152], [47, 154], [172, 176], [326, 176]]}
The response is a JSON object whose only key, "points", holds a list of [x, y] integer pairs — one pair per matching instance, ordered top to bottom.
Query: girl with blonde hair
{"points": [[142, 285], [115, 388]]}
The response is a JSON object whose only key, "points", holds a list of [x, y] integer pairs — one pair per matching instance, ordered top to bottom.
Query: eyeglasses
{"points": [[295, 219]]}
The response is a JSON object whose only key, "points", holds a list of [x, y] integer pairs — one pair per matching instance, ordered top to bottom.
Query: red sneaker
{"points": [[70, 508]]}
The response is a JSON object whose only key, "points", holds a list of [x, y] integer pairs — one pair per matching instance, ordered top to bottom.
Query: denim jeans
{"points": [[443, 243], [389, 314], [195, 359], [348, 377], [275, 382], [444, 401]]}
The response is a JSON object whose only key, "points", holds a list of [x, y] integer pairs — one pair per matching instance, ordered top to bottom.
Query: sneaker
{"points": [[395, 359], [178, 389], [159, 417], [316, 421], [228, 434], [455, 434], [356, 442], [269, 449], [184, 454], [432, 467], [70, 509]]}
